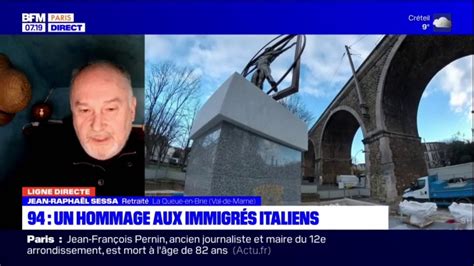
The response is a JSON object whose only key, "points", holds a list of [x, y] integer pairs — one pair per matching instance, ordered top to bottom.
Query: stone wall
{"points": [[232, 161]]}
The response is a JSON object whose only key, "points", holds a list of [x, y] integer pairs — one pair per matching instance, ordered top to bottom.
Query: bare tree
{"points": [[169, 89], [297, 107], [185, 137]]}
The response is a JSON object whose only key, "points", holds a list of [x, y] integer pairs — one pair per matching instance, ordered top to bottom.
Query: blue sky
{"points": [[445, 108]]}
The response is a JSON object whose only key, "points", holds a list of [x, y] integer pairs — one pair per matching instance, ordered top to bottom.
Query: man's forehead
{"points": [[101, 69], [96, 76], [97, 80], [100, 87], [90, 101]]}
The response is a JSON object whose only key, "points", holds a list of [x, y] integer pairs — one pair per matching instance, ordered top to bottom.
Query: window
{"points": [[420, 184]]}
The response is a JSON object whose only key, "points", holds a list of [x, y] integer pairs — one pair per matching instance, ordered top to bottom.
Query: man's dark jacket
{"points": [[56, 158], [70, 165]]}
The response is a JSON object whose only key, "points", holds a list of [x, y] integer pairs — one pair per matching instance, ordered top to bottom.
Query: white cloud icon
{"points": [[442, 22]]}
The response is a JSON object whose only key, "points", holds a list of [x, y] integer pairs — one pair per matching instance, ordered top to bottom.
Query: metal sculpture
{"points": [[260, 63]]}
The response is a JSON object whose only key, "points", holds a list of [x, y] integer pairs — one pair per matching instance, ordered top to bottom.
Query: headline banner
{"points": [[204, 217]]}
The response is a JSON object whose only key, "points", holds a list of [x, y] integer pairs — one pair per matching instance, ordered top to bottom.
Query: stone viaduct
{"points": [[391, 80]]}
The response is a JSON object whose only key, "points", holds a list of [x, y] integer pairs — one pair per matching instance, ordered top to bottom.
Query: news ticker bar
{"points": [[239, 17], [205, 218], [347, 247]]}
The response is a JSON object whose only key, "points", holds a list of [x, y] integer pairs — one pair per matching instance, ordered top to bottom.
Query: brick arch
{"points": [[413, 62], [410, 66], [392, 80], [336, 142]]}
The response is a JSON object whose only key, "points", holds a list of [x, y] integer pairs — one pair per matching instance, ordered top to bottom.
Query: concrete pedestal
{"points": [[245, 143]]}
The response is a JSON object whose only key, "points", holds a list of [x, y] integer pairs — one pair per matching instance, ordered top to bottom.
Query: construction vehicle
{"points": [[442, 192]]}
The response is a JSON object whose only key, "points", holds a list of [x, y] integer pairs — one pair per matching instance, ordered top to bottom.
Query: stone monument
{"points": [[246, 144]]}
